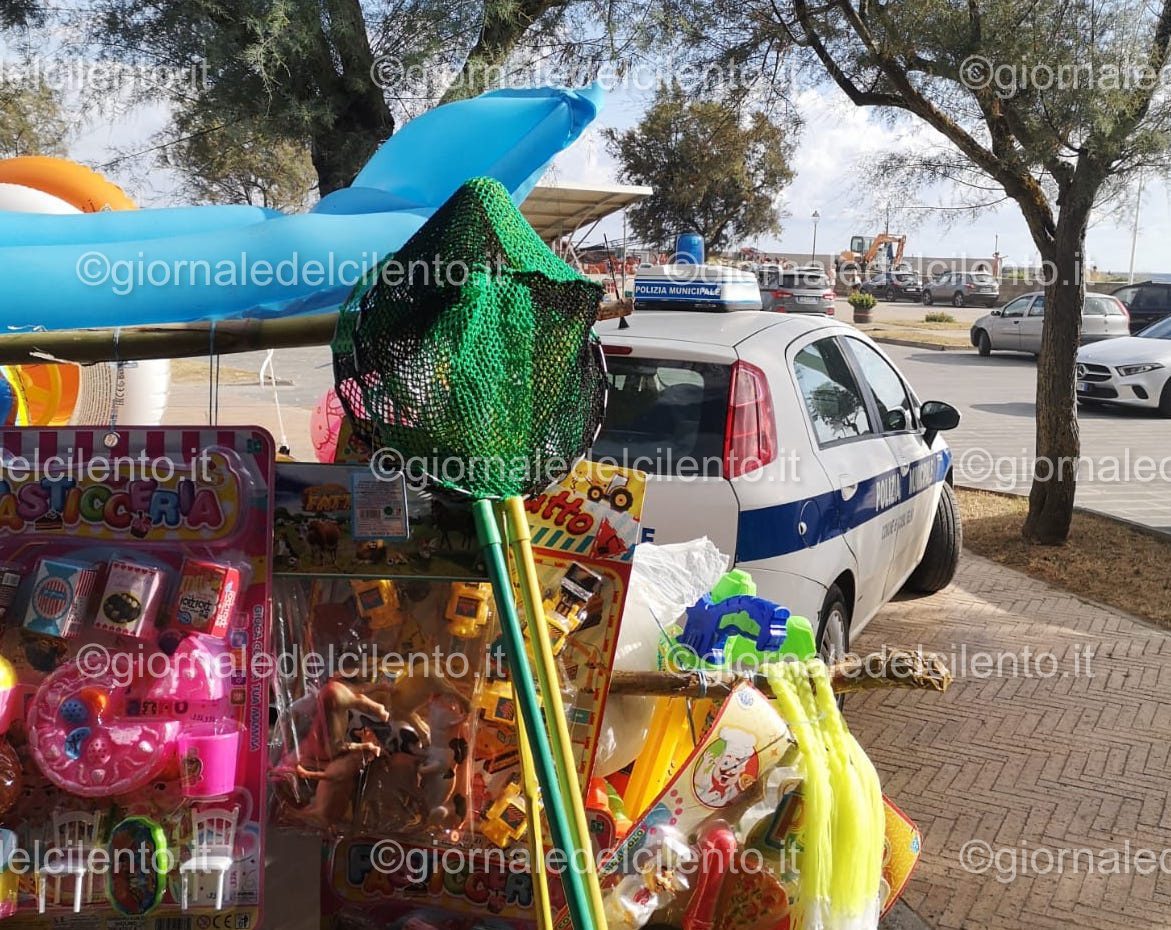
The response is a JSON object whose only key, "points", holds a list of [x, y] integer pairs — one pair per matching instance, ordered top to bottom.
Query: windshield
{"points": [[983, 279], [1160, 330]]}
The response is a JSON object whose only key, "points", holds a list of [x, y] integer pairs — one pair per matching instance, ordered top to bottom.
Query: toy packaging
{"points": [[134, 593], [402, 727]]}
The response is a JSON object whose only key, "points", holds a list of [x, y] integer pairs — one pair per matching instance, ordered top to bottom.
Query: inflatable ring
{"points": [[82, 187], [20, 199], [50, 392], [58, 395], [17, 414]]}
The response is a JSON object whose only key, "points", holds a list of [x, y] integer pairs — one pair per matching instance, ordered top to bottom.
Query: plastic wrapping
{"points": [[664, 582], [140, 748]]}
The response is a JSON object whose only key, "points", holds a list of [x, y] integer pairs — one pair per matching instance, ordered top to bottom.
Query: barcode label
{"points": [[172, 923]]}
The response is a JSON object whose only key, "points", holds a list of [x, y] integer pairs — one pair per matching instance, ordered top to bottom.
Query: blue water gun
{"points": [[731, 624]]}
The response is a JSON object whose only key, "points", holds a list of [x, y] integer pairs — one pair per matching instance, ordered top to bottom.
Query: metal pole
{"points": [[1134, 230]]}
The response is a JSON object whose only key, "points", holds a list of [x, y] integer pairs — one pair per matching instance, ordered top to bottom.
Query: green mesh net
{"points": [[470, 352]]}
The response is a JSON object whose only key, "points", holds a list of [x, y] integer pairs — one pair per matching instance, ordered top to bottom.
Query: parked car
{"points": [[894, 285], [962, 289], [802, 290], [1148, 302], [1016, 327], [1134, 371], [793, 443]]}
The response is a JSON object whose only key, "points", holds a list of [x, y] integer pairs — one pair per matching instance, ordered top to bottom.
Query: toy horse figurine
{"points": [[333, 755]]}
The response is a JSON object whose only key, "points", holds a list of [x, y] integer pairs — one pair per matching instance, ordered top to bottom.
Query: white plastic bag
{"points": [[664, 582]]}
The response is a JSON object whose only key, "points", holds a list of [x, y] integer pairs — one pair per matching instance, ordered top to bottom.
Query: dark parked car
{"points": [[894, 285], [962, 289], [1148, 302]]}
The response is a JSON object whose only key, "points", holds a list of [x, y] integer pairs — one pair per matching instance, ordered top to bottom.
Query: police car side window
{"points": [[831, 394], [890, 394]]}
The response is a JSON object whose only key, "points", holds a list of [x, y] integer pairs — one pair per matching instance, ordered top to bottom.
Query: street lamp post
{"points": [[813, 254]]}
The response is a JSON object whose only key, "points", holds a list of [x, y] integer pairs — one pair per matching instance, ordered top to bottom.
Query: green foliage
{"points": [[15, 13], [319, 73], [31, 121], [233, 163], [713, 168], [861, 300], [939, 316]]}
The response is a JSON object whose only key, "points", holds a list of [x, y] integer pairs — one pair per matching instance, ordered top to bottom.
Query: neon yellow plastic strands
{"points": [[788, 679], [878, 817], [856, 831]]}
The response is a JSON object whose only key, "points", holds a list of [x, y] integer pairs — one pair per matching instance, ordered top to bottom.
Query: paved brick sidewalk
{"points": [[1032, 763]]}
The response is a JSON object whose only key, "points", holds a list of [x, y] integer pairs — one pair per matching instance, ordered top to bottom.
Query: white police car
{"points": [[793, 442]]}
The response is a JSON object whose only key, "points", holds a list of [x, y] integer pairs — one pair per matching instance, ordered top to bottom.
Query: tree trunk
{"points": [[505, 23], [344, 74], [341, 149], [1058, 441]]}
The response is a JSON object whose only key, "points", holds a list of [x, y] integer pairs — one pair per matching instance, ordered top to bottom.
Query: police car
{"points": [[792, 442]]}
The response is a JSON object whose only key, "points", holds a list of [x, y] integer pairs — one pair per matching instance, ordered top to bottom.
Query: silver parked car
{"points": [[963, 289], [798, 290], [1016, 327]]}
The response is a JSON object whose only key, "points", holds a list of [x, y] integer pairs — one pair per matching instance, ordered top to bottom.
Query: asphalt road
{"points": [[1125, 469]]}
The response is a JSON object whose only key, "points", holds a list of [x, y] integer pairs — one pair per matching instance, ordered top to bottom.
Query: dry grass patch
{"points": [[949, 325], [917, 335], [198, 371], [1104, 560]]}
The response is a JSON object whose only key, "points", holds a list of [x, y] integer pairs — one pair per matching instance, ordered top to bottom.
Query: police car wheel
{"points": [[938, 565], [833, 631]]}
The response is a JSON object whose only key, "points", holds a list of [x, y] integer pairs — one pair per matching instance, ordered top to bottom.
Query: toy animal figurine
{"points": [[330, 734], [333, 755], [442, 775], [337, 783], [390, 800]]}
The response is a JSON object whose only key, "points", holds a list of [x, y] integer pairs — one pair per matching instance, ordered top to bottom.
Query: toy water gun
{"points": [[732, 624], [729, 626]]}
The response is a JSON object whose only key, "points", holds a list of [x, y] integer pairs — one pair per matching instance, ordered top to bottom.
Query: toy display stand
{"points": [[134, 595], [407, 732]]}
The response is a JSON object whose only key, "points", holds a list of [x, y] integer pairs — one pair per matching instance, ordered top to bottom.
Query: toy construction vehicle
{"points": [[616, 492], [378, 603], [565, 605], [467, 608], [505, 821]]}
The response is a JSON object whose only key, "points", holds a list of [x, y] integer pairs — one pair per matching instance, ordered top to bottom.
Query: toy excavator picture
{"points": [[884, 250]]}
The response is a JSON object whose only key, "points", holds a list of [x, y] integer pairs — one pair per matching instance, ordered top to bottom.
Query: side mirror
{"points": [[996, 312], [937, 417]]}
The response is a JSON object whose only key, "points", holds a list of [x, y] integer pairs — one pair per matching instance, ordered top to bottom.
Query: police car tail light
{"points": [[780, 294], [750, 437]]}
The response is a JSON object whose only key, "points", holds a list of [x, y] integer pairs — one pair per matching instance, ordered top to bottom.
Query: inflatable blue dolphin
{"points": [[182, 264]]}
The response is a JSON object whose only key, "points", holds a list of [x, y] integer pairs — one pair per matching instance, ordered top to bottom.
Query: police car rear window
{"points": [[665, 417]]}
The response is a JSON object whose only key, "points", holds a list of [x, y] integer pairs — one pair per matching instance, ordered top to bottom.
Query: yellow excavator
{"points": [[863, 250]]}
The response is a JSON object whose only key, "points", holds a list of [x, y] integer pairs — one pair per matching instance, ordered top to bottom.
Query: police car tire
{"points": [[938, 565], [835, 602]]}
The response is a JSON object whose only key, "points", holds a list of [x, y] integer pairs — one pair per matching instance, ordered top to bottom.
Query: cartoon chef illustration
{"points": [[726, 768]]}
